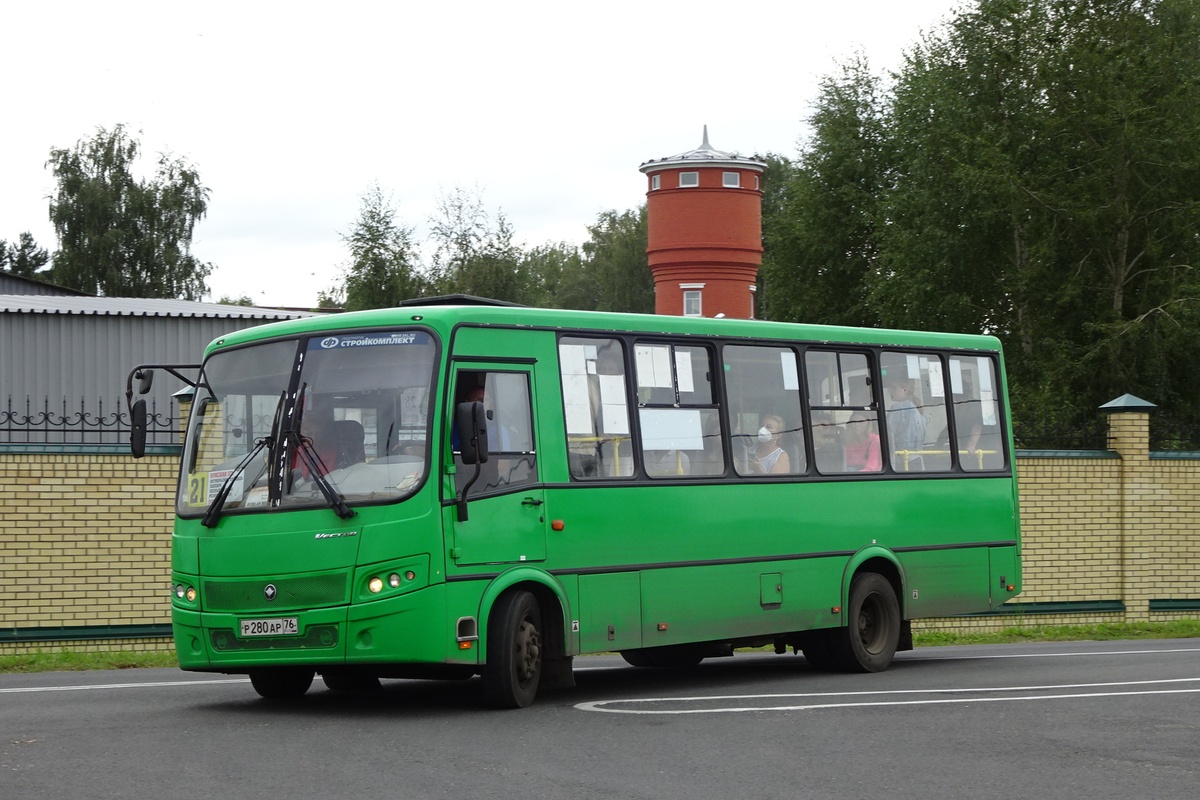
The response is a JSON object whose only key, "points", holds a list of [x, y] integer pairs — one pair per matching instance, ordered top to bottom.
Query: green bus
{"points": [[454, 488]]}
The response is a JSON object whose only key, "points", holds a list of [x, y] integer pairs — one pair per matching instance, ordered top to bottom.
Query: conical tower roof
{"points": [[704, 155]]}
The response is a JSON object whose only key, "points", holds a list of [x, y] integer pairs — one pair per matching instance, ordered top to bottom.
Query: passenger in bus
{"points": [[906, 425], [319, 438], [862, 444], [768, 457]]}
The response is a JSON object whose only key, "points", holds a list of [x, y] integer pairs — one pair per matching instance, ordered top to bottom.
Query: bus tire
{"points": [[870, 641], [817, 650], [514, 651], [281, 683]]}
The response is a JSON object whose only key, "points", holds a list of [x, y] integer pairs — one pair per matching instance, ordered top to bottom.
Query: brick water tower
{"points": [[704, 215]]}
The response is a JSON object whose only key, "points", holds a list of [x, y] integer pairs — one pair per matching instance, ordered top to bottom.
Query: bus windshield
{"points": [[278, 419]]}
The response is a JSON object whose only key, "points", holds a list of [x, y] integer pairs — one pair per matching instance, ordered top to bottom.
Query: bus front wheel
{"points": [[869, 642], [514, 651], [283, 683]]}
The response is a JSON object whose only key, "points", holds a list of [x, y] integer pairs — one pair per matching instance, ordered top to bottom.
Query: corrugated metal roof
{"points": [[16, 284], [138, 307]]}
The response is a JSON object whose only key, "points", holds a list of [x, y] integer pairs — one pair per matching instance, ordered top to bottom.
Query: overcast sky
{"points": [[291, 111]]}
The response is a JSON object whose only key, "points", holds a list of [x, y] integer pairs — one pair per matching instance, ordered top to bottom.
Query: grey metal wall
{"points": [[13, 284], [85, 359]]}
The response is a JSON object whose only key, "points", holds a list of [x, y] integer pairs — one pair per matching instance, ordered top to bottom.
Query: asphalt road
{"points": [[1066, 720]]}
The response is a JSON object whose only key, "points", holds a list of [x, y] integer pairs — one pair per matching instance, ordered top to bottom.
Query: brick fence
{"points": [[1109, 536]]}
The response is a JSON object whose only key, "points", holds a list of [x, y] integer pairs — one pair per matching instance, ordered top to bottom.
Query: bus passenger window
{"points": [[762, 386], [596, 408], [916, 411], [679, 422], [845, 422], [978, 437]]}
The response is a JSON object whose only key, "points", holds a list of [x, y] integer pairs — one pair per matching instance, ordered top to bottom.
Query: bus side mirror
{"points": [[145, 380], [470, 420], [137, 432]]}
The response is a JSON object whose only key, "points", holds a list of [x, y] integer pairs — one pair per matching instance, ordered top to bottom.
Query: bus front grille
{"points": [[306, 591]]}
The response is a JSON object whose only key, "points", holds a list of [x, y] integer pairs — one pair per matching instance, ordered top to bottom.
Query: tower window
{"points": [[689, 179], [731, 180], [655, 182], [691, 303]]}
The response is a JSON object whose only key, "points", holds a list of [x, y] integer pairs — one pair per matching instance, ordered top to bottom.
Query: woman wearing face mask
{"points": [[768, 458]]}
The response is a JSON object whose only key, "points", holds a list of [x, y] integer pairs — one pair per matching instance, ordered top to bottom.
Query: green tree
{"points": [[1044, 188], [820, 214], [118, 236], [474, 254], [25, 259], [384, 265], [550, 268], [615, 273], [778, 277], [332, 298], [243, 300]]}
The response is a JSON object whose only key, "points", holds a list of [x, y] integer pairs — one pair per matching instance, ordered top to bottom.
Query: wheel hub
{"points": [[528, 650]]}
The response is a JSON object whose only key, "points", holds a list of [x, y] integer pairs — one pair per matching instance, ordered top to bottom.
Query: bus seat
{"points": [[349, 440], [831, 453]]}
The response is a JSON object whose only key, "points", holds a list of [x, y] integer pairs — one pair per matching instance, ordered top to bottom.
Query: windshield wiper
{"points": [[312, 461], [212, 514]]}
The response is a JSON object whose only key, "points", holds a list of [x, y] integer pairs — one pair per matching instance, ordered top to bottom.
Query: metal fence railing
{"points": [[24, 422], [28, 422], [1169, 434], [1042, 436]]}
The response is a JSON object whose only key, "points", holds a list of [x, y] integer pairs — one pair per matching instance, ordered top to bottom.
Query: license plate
{"points": [[285, 626]]}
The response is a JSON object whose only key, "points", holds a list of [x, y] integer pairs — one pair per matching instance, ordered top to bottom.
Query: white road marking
{"points": [[1055, 655], [19, 690], [977, 695]]}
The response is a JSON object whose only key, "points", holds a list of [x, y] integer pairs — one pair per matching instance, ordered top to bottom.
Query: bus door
{"points": [[506, 521]]}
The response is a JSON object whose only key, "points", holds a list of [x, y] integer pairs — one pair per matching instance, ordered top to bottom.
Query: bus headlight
{"points": [[394, 580], [375, 585]]}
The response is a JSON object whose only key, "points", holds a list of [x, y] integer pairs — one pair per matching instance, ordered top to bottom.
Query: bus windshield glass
{"points": [[275, 420]]}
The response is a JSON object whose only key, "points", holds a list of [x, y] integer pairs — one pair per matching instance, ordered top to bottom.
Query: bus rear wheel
{"points": [[870, 641], [514, 651], [818, 651], [281, 683]]}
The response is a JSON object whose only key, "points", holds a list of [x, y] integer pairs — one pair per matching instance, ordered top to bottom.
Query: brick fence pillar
{"points": [[1129, 437]]}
